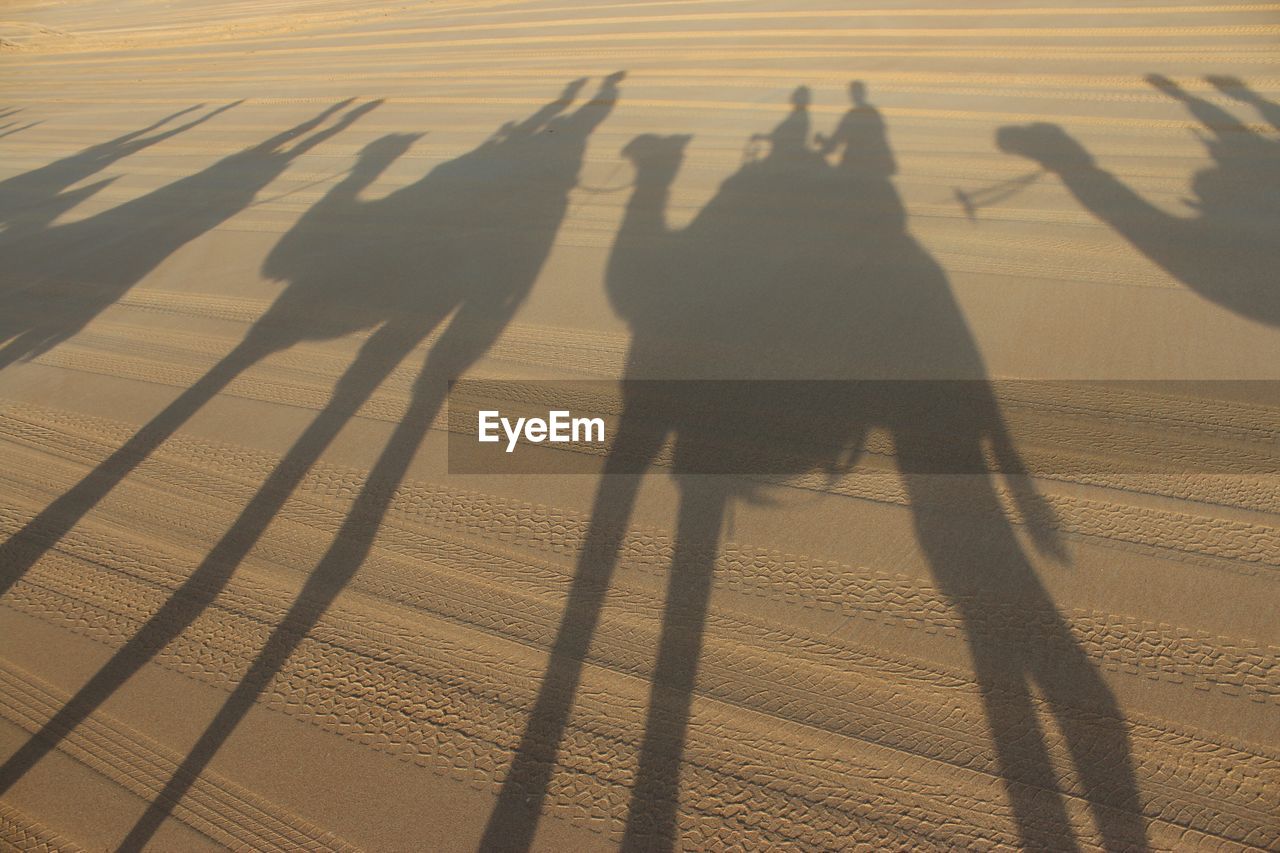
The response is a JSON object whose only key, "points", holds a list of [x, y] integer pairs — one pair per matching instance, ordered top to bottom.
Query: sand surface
{"points": [[245, 604]]}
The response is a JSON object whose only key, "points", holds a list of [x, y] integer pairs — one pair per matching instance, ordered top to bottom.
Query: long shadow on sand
{"points": [[9, 128], [31, 201], [465, 244], [1229, 250], [799, 269], [63, 276], [57, 278]]}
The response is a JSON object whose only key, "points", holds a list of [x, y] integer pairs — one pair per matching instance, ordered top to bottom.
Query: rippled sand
{"points": [[244, 603]]}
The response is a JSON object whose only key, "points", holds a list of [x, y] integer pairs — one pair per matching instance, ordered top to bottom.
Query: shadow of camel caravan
{"points": [[32, 200], [460, 250], [58, 278], [797, 292]]}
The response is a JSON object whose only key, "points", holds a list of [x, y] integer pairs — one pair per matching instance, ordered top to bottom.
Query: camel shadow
{"points": [[31, 201], [464, 244], [1228, 251], [68, 274], [60, 277], [797, 296]]}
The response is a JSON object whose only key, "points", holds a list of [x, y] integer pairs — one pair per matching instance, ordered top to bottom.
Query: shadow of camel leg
{"points": [[18, 348], [377, 358], [21, 550], [347, 552], [979, 565], [1098, 741], [1026, 770], [514, 819], [651, 820]]}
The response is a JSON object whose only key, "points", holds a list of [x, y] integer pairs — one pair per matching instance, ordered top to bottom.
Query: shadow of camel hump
{"points": [[464, 244], [1228, 251], [799, 270]]}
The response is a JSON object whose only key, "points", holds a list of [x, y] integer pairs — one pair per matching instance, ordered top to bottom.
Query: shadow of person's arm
{"points": [[840, 136], [129, 142]]}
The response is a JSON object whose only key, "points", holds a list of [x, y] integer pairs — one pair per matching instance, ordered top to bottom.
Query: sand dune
{"points": [[982, 305]]}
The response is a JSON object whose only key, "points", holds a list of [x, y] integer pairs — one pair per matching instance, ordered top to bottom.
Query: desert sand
{"points": [[245, 601]]}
